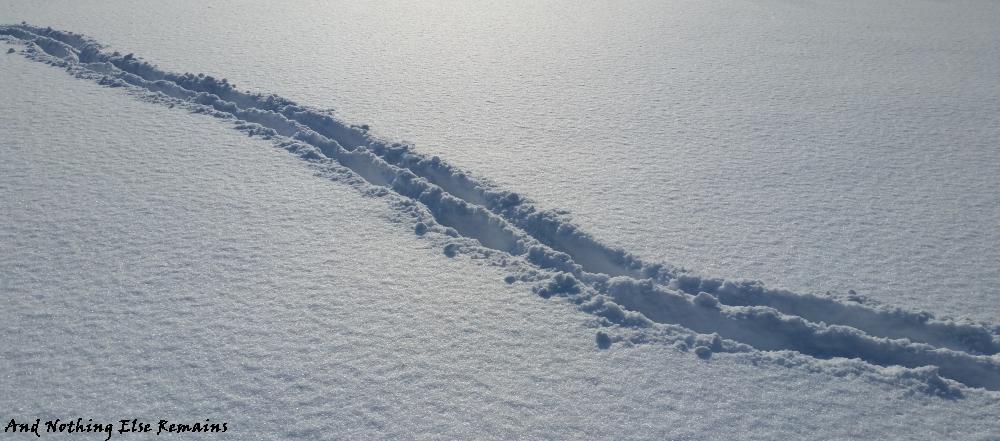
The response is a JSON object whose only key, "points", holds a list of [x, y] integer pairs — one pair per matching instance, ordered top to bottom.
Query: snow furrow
{"points": [[546, 227], [597, 276], [884, 321], [769, 329]]}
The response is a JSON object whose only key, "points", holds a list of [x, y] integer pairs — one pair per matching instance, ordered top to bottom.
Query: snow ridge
{"points": [[608, 282]]}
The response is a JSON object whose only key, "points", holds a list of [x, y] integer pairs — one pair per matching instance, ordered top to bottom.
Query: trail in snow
{"points": [[600, 278]]}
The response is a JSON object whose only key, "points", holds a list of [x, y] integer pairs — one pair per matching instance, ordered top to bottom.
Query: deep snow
{"points": [[820, 146], [507, 229], [158, 264], [641, 304]]}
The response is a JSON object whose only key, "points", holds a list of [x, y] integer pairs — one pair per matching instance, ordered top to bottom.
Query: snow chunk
{"points": [[451, 249], [706, 300], [603, 340], [703, 352]]}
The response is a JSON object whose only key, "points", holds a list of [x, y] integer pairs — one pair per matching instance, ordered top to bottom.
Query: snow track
{"points": [[603, 280]]}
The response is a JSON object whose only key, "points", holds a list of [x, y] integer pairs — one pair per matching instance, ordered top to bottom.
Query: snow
{"points": [[821, 147], [316, 280]]}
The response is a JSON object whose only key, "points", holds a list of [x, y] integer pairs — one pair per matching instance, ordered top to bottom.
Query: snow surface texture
{"points": [[819, 146], [156, 265], [650, 302]]}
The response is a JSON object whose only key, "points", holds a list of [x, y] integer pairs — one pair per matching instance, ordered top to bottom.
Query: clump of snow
{"points": [[560, 284], [706, 300], [613, 313], [603, 340], [703, 352]]}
